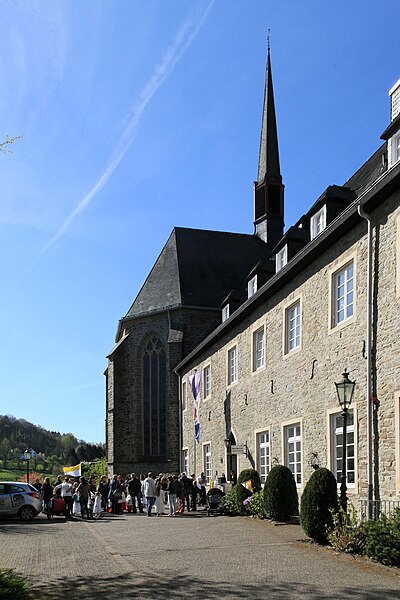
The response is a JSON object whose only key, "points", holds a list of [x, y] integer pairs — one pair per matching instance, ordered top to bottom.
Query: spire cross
{"points": [[269, 40]]}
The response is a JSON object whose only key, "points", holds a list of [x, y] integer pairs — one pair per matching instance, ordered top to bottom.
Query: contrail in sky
{"points": [[182, 41]]}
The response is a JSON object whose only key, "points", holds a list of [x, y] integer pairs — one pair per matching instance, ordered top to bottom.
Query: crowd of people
{"points": [[87, 499]]}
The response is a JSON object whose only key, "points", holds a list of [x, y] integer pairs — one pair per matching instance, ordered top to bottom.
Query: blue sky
{"points": [[139, 116]]}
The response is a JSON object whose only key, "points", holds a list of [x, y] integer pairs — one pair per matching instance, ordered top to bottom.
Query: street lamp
{"points": [[345, 391], [27, 455]]}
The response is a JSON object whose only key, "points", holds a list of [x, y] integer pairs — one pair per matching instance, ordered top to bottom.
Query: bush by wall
{"points": [[253, 476], [280, 494], [318, 501], [232, 503], [255, 505], [382, 539]]}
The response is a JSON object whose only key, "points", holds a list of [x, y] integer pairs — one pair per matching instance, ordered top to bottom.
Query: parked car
{"points": [[20, 500]]}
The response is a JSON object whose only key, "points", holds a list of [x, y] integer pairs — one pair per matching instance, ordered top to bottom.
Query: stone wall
{"points": [[180, 331], [299, 386]]}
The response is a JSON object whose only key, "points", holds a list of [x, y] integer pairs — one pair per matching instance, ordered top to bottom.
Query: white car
{"points": [[19, 499]]}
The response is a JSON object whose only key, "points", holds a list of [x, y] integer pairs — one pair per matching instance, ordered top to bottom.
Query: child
{"points": [[129, 503], [90, 504], [76, 507], [97, 508]]}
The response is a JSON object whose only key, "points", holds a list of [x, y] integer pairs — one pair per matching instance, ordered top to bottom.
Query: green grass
{"points": [[16, 474]]}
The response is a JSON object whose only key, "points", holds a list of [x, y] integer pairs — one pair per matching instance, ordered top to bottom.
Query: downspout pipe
{"points": [[367, 217], [180, 420]]}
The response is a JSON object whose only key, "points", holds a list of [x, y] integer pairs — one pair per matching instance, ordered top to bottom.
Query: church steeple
{"points": [[268, 189]]}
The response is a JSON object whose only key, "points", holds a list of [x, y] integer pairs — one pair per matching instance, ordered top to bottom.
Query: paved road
{"points": [[189, 556]]}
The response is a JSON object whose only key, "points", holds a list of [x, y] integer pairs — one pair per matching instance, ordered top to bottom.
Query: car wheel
{"points": [[27, 513]]}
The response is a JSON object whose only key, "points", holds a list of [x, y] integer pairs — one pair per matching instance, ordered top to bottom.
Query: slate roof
{"points": [[368, 172], [198, 268]]}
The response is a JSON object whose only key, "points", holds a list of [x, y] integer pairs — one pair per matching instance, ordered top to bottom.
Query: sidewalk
{"points": [[189, 555]]}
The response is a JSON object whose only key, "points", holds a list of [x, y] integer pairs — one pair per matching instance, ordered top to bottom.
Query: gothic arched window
{"points": [[154, 398]]}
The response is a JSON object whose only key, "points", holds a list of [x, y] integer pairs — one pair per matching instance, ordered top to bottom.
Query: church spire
{"points": [[268, 158], [268, 189]]}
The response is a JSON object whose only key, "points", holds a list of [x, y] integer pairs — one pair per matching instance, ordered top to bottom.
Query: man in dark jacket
{"points": [[134, 488], [187, 488]]}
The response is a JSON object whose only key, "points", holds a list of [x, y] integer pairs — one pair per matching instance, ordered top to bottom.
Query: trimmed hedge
{"points": [[253, 476], [280, 494], [318, 501]]}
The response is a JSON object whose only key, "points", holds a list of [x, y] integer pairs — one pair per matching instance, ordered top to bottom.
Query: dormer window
{"points": [[396, 148], [318, 222], [281, 258], [252, 286], [225, 312]]}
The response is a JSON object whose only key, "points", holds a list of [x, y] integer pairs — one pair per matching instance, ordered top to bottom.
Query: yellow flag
{"points": [[73, 471]]}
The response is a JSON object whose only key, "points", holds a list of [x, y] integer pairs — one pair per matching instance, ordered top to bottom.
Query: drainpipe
{"points": [[367, 217], [180, 420]]}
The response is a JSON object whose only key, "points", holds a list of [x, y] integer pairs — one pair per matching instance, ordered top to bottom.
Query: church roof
{"points": [[198, 268]]}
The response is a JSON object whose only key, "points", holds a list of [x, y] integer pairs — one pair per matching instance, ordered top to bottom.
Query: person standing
{"points": [[104, 488], [187, 488], [134, 489], [172, 490], [83, 491], [149, 492], [47, 493], [66, 493], [159, 502]]}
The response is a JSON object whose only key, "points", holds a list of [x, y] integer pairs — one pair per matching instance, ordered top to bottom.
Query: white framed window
{"points": [[396, 148], [318, 222], [281, 258], [252, 286], [343, 294], [225, 313], [293, 327], [258, 349], [232, 365], [207, 381], [184, 395], [292, 441], [337, 442], [263, 454], [185, 460], [207, 461]]}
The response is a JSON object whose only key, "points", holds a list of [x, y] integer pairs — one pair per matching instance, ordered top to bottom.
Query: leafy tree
{"points": [[4, 146]]}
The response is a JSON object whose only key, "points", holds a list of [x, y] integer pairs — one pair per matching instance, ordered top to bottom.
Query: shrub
{"points": [[253, 476], [280, 494], [318, 501], [232, 503], [254, 505], [346, 535], [382, 539], [12, 586]]}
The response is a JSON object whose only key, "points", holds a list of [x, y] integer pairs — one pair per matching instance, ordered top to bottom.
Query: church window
{"points": [[318, 222], [281, 258], [252, 286], [343, 300], [225, 313], [293, 327], [258, 349], [232, 365], [207, 381], [154, 398], [292, 440], [263, 455]]}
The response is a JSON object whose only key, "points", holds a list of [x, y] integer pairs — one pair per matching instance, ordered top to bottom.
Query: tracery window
{"points": [[154, 398]]}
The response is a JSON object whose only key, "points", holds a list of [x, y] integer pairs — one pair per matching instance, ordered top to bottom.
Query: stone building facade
{"points": [[269, 321], [268, 371]]}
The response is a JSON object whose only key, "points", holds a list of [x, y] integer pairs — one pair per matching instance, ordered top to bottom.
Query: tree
{"points": [[4, 145], [5, 451], [280, 494], [318, 501]]}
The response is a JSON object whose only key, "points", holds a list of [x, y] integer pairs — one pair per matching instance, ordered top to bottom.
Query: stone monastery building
{"points": [[265, 324]]}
